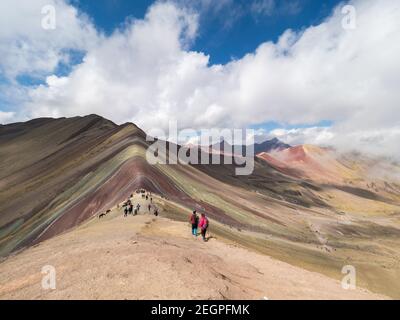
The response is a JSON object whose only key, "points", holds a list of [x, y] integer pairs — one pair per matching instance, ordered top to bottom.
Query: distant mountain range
{"points": [[266, 146]]}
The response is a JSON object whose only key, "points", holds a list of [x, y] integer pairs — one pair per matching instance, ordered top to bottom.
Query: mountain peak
{"points": [[270, 145]]}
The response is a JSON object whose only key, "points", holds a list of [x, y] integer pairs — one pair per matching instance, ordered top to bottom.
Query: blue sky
{"points": [[226, 34]]}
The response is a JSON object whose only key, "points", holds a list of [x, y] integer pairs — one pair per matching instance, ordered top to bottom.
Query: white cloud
{"points": [[27, 48], [142, 74], [147, 74], [5, 116], [312, 135], [379, 142]]}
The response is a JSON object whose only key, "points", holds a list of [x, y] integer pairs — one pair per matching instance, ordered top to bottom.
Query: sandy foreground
{"points": [[145, 257]]}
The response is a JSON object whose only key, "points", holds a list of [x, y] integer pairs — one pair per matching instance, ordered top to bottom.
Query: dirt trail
{"points": [[144, 257]]}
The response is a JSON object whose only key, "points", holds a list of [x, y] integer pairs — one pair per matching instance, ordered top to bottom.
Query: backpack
{"points": [[194, 219]]}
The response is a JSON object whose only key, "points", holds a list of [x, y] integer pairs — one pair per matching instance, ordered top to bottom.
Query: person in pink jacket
{"points": [[203, 225]]}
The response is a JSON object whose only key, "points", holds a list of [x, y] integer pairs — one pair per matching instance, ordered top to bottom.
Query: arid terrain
{"points": [[283, 232], [144, 257]]}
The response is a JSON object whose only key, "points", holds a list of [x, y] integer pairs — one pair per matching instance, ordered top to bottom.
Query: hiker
{"points": [[147, 197], [151, 200], [138, 207], [149, 207], [130, 209], [126, 211], [156, 212], [194, 220], [203, 225]]}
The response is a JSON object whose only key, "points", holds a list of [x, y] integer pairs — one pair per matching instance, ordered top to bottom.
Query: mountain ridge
{"points": [[50, 185]]}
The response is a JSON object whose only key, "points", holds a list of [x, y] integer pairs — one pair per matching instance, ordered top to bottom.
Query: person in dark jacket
{"points": [[194, 221]]}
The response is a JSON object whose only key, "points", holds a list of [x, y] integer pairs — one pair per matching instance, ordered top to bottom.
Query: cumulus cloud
{"points": [[28, 48], [147, 73], [141, 74], [6, 116], [311, 135], [378, 142]]}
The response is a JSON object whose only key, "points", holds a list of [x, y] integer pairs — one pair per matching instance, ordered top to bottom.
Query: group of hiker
{"points": [[130, 209], [197, 223]]}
